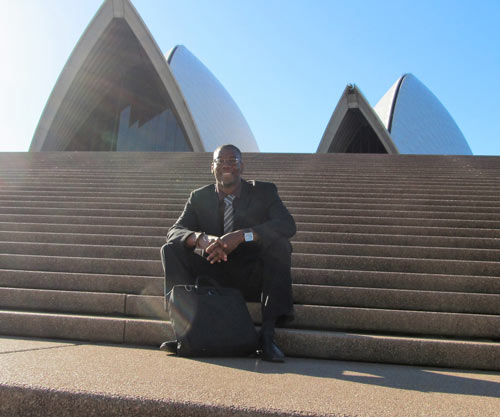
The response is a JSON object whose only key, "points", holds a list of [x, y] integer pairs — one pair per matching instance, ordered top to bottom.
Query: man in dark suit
{"points": [[236, 232]]}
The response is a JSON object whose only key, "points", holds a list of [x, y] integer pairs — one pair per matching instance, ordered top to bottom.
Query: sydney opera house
{"points": [[119, 92], [408, 119]]}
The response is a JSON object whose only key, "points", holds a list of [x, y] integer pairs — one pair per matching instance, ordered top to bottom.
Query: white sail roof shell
{"points": [[217, 117]]}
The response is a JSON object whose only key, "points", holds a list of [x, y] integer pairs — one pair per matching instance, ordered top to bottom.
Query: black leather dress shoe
{"points": [[169, 346], [270, 350]]}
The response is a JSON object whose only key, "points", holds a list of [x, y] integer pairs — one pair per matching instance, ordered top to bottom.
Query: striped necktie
{"points": [[228, 213]]}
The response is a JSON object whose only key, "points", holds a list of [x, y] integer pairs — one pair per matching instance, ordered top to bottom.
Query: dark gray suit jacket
{"points": [[259, 207]]}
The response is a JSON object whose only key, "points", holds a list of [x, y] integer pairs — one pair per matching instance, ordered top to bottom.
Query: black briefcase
{"points": [[211, 321]]}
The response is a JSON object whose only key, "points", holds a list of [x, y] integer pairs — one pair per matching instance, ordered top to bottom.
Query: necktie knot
{"points": [[228, 199]]}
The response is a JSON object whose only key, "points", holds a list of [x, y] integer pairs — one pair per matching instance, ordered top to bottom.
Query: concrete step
{"points": [[141, 164], [137, 165], [400, 176], [313, 188], [286, 192], [414, 192], [138, 194], [411, 195], [27, 198], [173, 204], [178, 204], [434, 204], [396, 205], [176, 210], [410, 212], [156, 214], [315, 219], [131, 221], [395, 221], [86, 228], [313, 228], [414, 230], [300, 238], [82, 239], [399, 240], [85, 250], [395, 251], [400, 251], [412, 265], [105, 266], [153, 266], [397, 280], [127, 284], [153, 285], [397, 299], [76, 302], [120, 303], [387, 313], [307, 316], [386, 321], [86, 328], [365, 347], [428, 351]]}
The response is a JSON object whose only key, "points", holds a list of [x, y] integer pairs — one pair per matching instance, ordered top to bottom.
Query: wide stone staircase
{"points": [[396, 258]]}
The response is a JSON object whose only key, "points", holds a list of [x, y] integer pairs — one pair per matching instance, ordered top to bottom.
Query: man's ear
{"points": [[242, 167], [212, 168]]}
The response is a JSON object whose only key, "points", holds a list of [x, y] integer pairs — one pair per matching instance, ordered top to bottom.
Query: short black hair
{"points": [[230, 146]]}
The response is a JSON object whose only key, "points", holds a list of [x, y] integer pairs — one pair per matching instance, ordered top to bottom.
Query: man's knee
{"points": [[163, 249], [170, 251], [278, 251], [177, 266]]}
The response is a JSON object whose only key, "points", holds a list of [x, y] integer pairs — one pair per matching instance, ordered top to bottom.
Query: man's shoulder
{"points": [[260, 184], [260, 187], [206, 189]]}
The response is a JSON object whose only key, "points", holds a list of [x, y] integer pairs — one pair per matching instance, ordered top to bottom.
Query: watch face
{"points": [[248, 237]]}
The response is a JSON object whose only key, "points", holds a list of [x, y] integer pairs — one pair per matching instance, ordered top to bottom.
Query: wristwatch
{"points": [[248, 235], [197, 250]]}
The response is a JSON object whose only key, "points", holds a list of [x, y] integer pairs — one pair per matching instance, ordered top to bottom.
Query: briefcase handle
{"points": [[209, 282]]}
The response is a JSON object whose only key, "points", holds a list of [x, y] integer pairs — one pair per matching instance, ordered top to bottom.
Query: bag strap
{"points": [[208, 280]]}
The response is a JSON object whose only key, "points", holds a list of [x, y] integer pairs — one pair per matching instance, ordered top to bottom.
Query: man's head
{"points": [[227, 166]]}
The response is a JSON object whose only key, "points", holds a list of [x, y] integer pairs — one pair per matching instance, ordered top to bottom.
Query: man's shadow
{"points": [[414, 378]]}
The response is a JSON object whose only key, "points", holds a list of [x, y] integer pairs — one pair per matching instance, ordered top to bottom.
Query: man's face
{"points": [[226, 172]]}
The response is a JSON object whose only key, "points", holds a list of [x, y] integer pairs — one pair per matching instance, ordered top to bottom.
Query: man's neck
{"points": [[231, 189]]}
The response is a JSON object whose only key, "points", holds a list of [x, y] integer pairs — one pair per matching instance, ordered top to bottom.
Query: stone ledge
{"points": [[42, 378], [40, 402]]}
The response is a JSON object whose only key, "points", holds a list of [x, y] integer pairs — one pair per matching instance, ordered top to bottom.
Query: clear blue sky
{"points": [[285, 62]]}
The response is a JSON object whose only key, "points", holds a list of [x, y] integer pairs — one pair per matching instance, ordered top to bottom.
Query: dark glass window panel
{"points": [[123, 102], [355, 135], [365, 141]]}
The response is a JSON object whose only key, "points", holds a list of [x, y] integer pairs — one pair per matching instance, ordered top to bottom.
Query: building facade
{"points": [[118, 92], [408, 119]]}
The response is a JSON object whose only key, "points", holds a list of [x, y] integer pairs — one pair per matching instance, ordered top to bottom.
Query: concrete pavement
{"points": [[61, 378]]}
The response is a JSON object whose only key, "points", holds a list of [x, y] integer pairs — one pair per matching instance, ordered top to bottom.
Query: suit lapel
{"points": [[245, 195], [243, 203], [213, 218]]}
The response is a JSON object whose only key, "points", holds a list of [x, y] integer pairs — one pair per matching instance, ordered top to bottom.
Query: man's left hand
{"points": [[232, 240]]}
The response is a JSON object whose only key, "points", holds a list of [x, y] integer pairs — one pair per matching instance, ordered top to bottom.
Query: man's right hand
{"points": [[204, 241], [212, 245], [217, 251]]}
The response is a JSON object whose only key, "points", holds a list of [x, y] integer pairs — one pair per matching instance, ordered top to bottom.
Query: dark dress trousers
{"points": [[260, 270]]}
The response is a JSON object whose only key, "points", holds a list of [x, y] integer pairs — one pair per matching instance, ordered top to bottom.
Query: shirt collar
{"points": [[221, 194]]}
